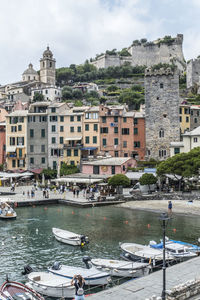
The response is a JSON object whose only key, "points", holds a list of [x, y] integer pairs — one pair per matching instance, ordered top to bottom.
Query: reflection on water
{"points": [[29, 240]]}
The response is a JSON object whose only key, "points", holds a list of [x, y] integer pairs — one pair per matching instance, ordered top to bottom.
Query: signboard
{"points": [[150, 170]]}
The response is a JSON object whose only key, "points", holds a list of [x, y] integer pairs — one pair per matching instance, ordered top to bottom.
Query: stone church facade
{"points": [[162, 112]]}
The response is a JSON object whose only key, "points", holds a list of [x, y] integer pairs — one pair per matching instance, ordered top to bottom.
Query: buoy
{"points": [[45, 208], [72, 212], [87, 215], [104, 218], [126, 222], [148, 225], [36, 230], [174, 230], [14, 237], [2, 243]]}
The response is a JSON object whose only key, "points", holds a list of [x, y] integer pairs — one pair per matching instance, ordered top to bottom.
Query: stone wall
{"points": [[106, 61], [193, 72], [162, 112]]}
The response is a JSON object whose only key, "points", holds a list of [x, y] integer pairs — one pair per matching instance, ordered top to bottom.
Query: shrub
{"points": [[119, 180]]}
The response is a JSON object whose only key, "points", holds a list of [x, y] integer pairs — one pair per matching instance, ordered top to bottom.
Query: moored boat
{"points": [[6, 211], [69, 237], [121, 268], [92, 276], [51, 285], [14, 290]]}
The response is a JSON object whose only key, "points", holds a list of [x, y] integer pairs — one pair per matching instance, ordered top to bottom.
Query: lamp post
{"points": [[164, 221]]}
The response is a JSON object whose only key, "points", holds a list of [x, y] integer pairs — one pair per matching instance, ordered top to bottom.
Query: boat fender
{"points": [[86, 260], [56, 265], [27, 270]]}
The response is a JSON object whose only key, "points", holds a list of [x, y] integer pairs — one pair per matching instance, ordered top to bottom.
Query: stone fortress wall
{"points": [[148, 54], [193, 72]]}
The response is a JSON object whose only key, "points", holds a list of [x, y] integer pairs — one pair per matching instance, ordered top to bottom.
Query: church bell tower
{"points": [[48, 68]]}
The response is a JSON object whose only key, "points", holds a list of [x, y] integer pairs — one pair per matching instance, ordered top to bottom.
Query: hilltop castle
{"points": [[166, 50]]}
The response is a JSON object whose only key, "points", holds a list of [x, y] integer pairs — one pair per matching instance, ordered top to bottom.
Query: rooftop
{"points": [[19, 113], [194, 132], [111, 161]]}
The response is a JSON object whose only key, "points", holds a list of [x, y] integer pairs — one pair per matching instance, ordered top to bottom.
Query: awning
{"points": [[76, 138], [89, 148], [11, 149], [77, 180]]}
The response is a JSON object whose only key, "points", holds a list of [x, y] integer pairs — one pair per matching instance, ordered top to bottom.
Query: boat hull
{"points": [[69, 238]]}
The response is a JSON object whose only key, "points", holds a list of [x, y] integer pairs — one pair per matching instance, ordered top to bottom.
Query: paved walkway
{"points": [[145, 287]]}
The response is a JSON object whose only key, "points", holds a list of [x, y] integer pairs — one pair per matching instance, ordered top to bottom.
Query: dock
{"points": [[145, 287]]}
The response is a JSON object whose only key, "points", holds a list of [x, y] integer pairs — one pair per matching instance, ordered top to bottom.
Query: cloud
{"points": [[78, 30]]}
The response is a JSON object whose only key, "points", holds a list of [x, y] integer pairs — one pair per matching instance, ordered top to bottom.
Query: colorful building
{"points": [[3, 114], [184, 116]]}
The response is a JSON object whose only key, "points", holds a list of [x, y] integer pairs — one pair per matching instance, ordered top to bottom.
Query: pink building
{"points": [[3, 114], [108, 166]]}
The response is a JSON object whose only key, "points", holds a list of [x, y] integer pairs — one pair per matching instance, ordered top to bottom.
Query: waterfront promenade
{"points": [[145, 287]]}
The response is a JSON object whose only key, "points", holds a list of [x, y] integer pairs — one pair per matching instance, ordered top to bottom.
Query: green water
{"points": [[20, 244]]}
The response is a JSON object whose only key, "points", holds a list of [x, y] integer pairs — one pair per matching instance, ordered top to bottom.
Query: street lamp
{"points": [[164, 221]]}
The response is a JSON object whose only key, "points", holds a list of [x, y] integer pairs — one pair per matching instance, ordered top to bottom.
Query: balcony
{"points": [[72, 146]]}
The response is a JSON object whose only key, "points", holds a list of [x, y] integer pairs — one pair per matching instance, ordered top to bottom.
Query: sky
{"points": [[76, 30]]}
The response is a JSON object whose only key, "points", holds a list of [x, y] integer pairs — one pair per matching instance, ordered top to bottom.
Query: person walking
{"points": [[74, 192], [77, 193], [169, 208], [79, 283]]}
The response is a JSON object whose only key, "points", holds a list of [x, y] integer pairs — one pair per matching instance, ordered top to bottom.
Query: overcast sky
{"points": [[79, 29]]}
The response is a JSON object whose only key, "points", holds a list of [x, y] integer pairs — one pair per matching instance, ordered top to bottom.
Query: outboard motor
{"points": [[84, 240], [86, 260], [56, 265], [27, 270]]}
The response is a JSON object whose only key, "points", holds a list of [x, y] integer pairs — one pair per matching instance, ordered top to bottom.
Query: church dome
{"points": [[47, 53], [30, 70]]}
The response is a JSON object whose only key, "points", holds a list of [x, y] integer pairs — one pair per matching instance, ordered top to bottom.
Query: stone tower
{"points": [[48, 68], [162, 111]]}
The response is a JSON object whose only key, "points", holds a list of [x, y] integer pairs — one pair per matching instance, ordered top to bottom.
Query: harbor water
{"points": [[28, 240]]}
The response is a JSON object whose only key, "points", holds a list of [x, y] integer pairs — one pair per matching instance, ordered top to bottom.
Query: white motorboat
{"points": [[6, 211], [70, 238], [175, 249], [144, 253], [121, 268], [92, 276], [51, 285], [14, 290]]}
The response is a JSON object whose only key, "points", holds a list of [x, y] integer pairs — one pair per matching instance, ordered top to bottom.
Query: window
{"points": [[161, 85], [46, 91], [53, 109], [180, 110], [186, 111], [191, 112], [197, 113], [95, 115], [53, 118], [61, 118], [71, 118], [78, 118], [43, 119], [103, 119], [116, 119], [124, 119], [180, 119], [187, 119], [195, 120], [135, 121], [19, 127], [87, 127], [95, 127], [13, 128], [53, 128], [61, 128], [71, 129], [79, 129], [115, 129], [104, 130], [125, 131], [135, 131], [31, 133], [42, 133], [161, 133], [61, 139], [87, 139], [94, 139], [53, 140], [195, 140], [12, 141], [20, 141], [104, 141], [116, 141], [124, 144], [136, 144], [31, 148], [43, 148], [176, 150], [20, 152], [68, 152], [75, 152], [116, 153], [162, 153], [125, 155], [31, 160], [43, 160], [72, 162], [13, 163], [54, 165], [113, 169]]}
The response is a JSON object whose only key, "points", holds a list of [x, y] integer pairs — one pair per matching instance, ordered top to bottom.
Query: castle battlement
{"points": [[159, 72]]}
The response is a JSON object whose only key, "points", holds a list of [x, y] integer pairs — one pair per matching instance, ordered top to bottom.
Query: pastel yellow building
{"points": [[184, 116], [16, 140]]}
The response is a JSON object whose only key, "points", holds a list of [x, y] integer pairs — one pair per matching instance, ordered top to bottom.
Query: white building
{"points": [[50, 93], [190, 141]]}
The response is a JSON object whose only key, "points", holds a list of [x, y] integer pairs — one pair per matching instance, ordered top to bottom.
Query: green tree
{"points": [[77, 94], [38, 97], [1, 167], [68, 169], [49, 173], [147, 179], [119, 180]]}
